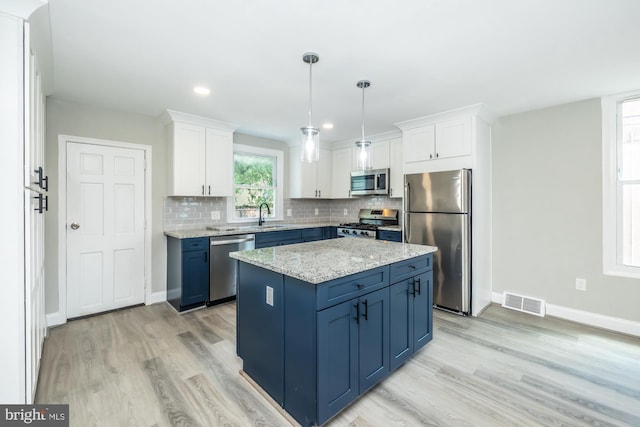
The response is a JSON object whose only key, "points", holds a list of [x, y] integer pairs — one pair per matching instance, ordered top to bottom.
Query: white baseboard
{"points": [[157, 297], [55, 319], [616, 324]]}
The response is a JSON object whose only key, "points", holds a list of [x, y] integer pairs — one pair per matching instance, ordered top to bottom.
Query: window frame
{"points": [[278, 178], [611, 218]]}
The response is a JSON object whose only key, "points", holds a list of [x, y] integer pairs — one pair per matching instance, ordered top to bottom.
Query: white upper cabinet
{"points": [[453, 138], [443, 141], [420, 143], [380, 155], [199, 156], [341, 162], [219, 164], [396, 167], [310, 180]]}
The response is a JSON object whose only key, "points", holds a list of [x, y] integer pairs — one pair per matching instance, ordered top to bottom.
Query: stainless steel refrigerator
{"points": [[437, 209]]}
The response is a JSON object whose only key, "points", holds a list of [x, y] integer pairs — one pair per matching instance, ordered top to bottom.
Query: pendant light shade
{"points": [[310, 138], [363, 151]]}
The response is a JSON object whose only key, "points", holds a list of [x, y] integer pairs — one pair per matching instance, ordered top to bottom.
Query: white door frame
{"points": [[62, 215]]}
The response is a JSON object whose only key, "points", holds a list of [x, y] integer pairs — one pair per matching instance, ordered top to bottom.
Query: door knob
{"points": [[75, 225]]}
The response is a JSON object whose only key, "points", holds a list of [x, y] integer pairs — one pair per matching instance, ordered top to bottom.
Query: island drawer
{"points": [[405, 269], [355, 285]]}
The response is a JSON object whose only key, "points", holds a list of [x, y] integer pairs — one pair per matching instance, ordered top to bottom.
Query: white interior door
{"points": [[105, 228]]}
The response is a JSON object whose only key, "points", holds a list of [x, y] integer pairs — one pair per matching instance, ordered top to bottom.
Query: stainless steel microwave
{"points": [[370, 182]]}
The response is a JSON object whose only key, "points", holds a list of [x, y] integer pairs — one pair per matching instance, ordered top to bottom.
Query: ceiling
{"points": [[421, 56]]}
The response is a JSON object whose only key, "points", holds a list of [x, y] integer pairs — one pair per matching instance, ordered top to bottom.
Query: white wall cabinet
{"points": [[437, 141], [380, 155], [199, 156], [342, 165], [396, 168], [310, 180]]}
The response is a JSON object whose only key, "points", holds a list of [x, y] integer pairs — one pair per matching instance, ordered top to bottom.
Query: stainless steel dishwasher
{"points": [[222, 268]]}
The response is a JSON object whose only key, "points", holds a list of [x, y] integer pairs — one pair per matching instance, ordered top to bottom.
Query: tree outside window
{"points": [[254, 184]]}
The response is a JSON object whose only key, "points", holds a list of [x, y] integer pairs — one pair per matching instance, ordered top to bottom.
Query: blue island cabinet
{"points": [[335, 338]]}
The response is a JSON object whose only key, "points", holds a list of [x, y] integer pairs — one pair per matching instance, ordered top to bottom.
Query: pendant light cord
{"points": [[363, 88], [310, 90]]}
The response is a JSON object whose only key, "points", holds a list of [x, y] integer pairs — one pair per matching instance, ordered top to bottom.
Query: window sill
{"points": [[623, 271]]}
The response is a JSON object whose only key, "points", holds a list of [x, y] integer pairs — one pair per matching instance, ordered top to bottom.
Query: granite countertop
{"points": [[231, 229], [324, 260]]}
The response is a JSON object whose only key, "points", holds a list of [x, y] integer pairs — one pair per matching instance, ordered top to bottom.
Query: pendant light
{"points": [[310, 139], [363, 151]]}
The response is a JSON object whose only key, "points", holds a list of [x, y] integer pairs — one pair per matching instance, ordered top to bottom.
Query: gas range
{"points": [[369, 221]]}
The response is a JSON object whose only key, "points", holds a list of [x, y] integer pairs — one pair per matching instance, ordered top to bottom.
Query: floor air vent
{"points": [[525, 304]]}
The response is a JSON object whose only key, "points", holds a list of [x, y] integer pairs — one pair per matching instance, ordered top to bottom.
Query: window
{"points": [[257, 174], [621, 184]]}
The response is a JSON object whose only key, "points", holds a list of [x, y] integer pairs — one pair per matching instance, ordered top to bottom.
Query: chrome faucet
{"points": [[260, 218]]}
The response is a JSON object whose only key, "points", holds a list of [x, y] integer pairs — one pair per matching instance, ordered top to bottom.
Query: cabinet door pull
{"points": [[437, 155], [431, 156], [46, 183], [203, 189], [209, 190], [319, 193], [205, 256], [413, 267], [359, 285], [419, 286], [413, 288], [357, 306], [366, 309]]}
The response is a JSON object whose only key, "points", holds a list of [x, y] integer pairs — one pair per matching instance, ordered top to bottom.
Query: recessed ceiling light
{"points": [[201, 90], [327, 126]]}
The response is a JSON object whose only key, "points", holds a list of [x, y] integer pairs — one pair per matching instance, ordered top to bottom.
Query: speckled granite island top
{"points": [[324, 260]]}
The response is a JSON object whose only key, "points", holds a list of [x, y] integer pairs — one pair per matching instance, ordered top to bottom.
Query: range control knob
{"points": [[354, 232], [364, 233]]}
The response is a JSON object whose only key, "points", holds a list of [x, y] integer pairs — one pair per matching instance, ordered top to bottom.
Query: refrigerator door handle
{"points": [[407, 228]]}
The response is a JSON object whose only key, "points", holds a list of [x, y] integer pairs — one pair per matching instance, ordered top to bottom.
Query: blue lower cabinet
{"points": [[312, 234], [391, 236], [278, 238], [187, 272], [410, 319], [373, 338], [353, 350], [338, 370]]}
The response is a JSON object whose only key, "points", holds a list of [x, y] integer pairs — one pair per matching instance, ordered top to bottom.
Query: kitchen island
{"points": [[320, 323]]}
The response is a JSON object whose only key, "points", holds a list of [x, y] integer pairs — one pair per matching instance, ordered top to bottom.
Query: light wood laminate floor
{"points": [[150, 366]]}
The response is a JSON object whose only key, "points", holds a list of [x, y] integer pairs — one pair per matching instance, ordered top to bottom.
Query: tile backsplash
{"points": [[182, 213]]}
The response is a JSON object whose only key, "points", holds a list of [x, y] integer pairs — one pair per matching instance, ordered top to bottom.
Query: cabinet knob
{"points": [[75, 225]]}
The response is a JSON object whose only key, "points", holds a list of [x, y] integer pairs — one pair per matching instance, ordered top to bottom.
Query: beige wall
{"points": [[64, 118], [547, 211]]}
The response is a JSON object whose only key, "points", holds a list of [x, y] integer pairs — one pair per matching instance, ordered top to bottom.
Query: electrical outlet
{"points": [[316, 211], [289, 212], [345, 212], [215, 215], [581, 284]]}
